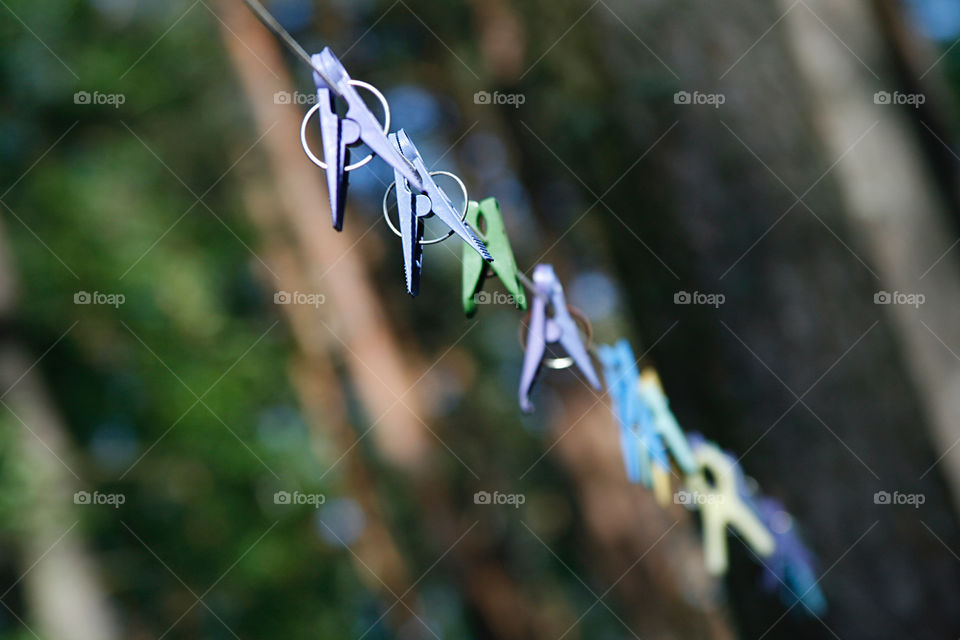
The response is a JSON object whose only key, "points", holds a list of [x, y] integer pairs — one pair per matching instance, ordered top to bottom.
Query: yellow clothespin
{"points": [[661, 485], [720, 505]]}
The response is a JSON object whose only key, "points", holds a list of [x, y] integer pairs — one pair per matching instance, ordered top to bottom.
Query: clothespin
{"points": [[358, 125], [412, 208], [485, 218], [560, 327], [621, 376], [664, 421], [644, 455], [660, 469], [721, 504], [790, 569]]}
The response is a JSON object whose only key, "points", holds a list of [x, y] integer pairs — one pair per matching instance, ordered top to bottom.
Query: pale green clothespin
{"points": [[494, 234], [664, 421], [654, 453], [721, 505]]}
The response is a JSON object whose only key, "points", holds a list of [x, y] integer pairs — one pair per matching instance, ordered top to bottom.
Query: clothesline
{"points": [[714, 482]]}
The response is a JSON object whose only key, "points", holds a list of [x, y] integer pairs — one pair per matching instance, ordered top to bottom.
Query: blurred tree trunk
{"points": [[892, 203], [353, 327], [799, 372], [375, 555], [649, 558], [61, 585]]}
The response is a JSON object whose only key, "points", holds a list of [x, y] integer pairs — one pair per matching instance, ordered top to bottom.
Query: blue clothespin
{"points": [[339, 134], [412, 208], [560, 327], [621, 377], [644, 455], [790, 569]]}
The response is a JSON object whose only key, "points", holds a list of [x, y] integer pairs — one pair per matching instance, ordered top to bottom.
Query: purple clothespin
{"points": [[358, 125], [413, 207], [558, 328], [790, 569]]}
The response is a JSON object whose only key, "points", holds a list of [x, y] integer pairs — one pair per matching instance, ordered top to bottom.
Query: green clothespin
{"points": [[494, 234]]}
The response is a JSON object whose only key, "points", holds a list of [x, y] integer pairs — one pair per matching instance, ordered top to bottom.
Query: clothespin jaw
{"points": [[370, 131], [336, 135], [439, 202], [411, 208], [485, 218], [560, 328], [621, 376], [666, 424], [630, 452], [659, 464], [661, 485], [721, 505], [790, 569]]}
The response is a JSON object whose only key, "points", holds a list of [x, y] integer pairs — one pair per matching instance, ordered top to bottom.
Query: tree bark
{"points": [[62, 588]]}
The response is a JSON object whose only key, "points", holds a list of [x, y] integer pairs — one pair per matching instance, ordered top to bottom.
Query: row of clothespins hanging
{"points": [[651, 441], [712, 482]]}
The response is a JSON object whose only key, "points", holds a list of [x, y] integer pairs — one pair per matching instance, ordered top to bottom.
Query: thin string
{"points": [[274, 25], [521, 276]]}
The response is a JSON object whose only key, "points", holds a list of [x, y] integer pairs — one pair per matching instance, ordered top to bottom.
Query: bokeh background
{"points": [[155, 200]]}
